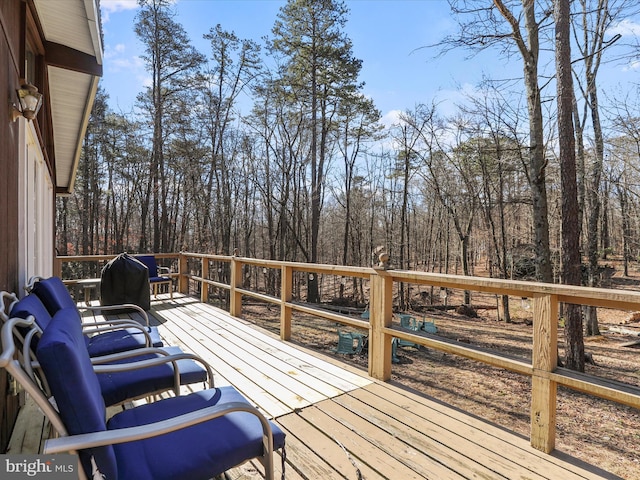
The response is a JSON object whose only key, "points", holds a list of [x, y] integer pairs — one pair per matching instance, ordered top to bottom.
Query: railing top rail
{"points": [[210, 256], [84, 258], [314, 267], [364, 272], [599, 297]]}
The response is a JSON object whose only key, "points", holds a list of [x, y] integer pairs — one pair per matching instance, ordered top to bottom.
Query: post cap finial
{"points": [[380, 258], [383, 260]]}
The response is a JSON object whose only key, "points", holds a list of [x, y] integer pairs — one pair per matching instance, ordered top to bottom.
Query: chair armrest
{"points": [[164, 270], [128, 306], [116, 324], [103, 327], [115, 357], [152, 362], [100, 367], [131, 434]]}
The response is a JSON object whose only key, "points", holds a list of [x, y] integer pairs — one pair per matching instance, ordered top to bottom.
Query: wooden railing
{"points": [[546, 298]]}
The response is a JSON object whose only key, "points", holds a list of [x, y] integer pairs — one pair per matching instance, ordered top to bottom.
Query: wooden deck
{"points": [[340, 423]]}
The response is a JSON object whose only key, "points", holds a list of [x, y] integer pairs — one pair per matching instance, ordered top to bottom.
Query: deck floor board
{"points": [[340, 423]]}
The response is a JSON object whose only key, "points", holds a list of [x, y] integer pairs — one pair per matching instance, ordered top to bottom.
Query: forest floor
{"points": [[599, 432]]}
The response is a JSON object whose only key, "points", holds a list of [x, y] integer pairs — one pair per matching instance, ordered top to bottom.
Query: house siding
{"points": [[12, 14], [28, 160]]}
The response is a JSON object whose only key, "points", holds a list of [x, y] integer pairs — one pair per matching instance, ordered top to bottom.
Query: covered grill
{"points": [[125, 280]]}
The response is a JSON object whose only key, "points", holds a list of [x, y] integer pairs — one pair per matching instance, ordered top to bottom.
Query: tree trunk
{"points": [[537, 170], [626, 227], [571, 271]]}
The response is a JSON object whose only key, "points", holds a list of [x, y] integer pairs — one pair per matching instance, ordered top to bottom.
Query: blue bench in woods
{"points": [[350, 343]]}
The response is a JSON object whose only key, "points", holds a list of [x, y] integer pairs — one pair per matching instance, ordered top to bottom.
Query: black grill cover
{"points": [[125, 280]]}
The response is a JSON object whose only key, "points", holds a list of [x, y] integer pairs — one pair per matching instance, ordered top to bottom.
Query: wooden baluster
{"points": [[183, 279], [204, 287], [286, 296], [235, 301], [380, 316], [545, 360]]}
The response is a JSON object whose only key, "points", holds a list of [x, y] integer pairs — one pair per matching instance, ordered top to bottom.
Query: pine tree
{"points": [[318, 70]]}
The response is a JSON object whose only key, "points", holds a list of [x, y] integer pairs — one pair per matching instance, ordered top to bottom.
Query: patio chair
{"points": [[156, 279], [408, 322], [428, 326], [112, 336], [102, 338], [350, 343], [394, 351], [142, 373], [123, 376], [196, 436]]}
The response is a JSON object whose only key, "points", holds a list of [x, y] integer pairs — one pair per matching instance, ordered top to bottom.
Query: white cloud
{"points": [[118, 5], [108, 7], [625, 28], [113, 52], [125, 64], [632, 66], [391, 118]]}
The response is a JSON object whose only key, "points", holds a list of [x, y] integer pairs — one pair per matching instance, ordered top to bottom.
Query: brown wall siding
{"points": [[11, 26]]}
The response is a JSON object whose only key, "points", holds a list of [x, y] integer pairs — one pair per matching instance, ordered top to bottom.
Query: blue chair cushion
{"points": [[149, 261], [159, 279], [54, 294], [31, 305], [121, 340], [67, 367], [120, 386], [198, 452]]}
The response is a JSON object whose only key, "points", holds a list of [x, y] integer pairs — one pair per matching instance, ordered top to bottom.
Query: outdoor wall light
{"points": [[30, 103]]}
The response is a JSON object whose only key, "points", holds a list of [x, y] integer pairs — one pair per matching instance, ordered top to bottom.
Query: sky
{"points": [[389, 36]]}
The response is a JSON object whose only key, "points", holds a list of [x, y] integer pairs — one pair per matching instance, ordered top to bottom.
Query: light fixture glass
{"points": [[30, 101]]}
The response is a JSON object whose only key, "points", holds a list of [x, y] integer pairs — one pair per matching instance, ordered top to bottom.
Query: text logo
{"points": [[50, 467]]}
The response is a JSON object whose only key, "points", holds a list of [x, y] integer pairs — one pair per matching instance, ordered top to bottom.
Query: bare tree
{"points": [[591, 22], [517, 24], [171, 60], [234, 66], [319, 70], [358, 118], [495, 122], [406, 135], [450, 171]]}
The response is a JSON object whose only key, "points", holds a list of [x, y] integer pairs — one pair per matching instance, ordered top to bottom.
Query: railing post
{"points": [[57, 267], [183, 280], [204, 287], [286, 289], [235, 299], [380, 316], [545, 359]]}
